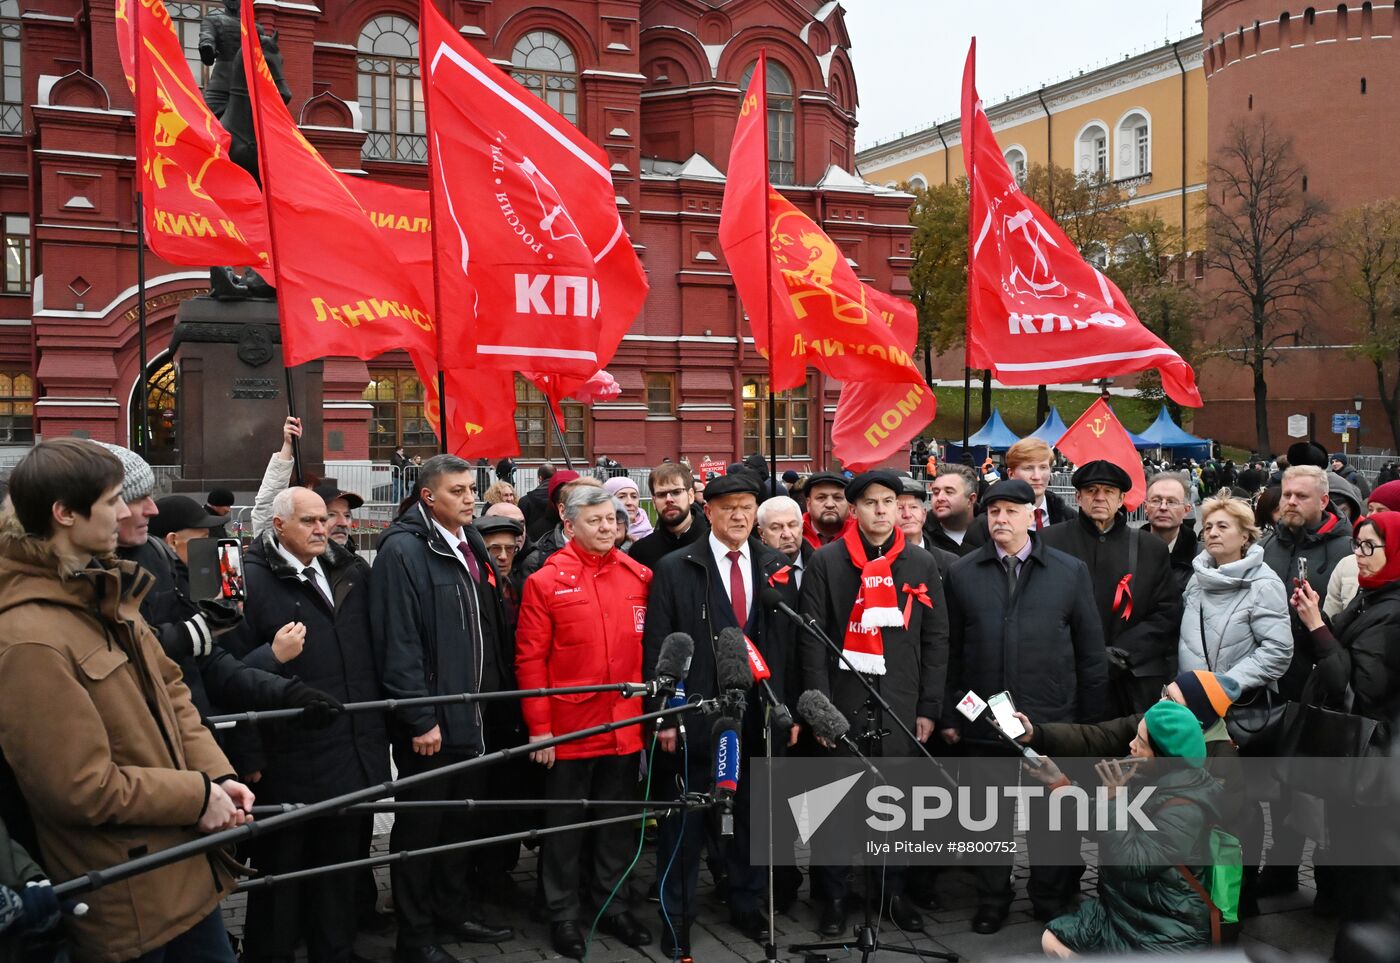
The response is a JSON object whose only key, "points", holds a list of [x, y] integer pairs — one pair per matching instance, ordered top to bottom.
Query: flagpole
{"points": [[425, 79], [264, 179], [768, 288], [967, 341], [143, 388]]}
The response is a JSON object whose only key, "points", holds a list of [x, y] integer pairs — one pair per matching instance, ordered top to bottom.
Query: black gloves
{"points": [[1119, 659], [321, 708], [35, 908]]}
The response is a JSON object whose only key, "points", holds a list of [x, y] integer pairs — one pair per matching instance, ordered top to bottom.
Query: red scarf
{"points": [[1387, 526], [814, 538], [876, 606]]}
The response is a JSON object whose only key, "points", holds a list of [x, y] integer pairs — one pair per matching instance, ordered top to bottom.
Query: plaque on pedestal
{"points": [[233, 394]]}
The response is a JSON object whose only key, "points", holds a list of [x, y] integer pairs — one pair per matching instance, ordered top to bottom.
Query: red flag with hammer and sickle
{"points": [[200, 207], [1037, 312], [1099, 434]]}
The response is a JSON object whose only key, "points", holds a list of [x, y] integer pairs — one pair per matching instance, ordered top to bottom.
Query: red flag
{"points": [[200, 207], [526, 210], [403, 216], [340, 288], [1037, 312], [822, 314], [480, 408], [876, 420], [1099, 434]]}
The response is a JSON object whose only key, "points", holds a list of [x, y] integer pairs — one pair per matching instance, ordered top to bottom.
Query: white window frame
{"points": [[1128, 159], [1085, 161]]}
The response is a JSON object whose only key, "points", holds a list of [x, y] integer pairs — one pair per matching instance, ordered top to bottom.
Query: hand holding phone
{"points": [[1004, 714]]}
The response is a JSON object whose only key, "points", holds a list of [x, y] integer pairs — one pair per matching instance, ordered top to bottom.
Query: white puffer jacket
{"points": [[1244, 609]]}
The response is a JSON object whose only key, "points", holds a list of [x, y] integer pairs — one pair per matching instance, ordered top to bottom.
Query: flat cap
{"points": [[1099, 472], [823, 478], [741, 482], [857, 485], [912, 486], [329, 489], [1010, 490], [179, 512], [492, 524]]}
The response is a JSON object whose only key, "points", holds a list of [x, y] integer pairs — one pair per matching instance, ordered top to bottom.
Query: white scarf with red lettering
{"points": [[876, 606]]}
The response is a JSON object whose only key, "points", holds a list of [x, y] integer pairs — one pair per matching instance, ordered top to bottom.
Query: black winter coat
{"points": [[540, 516], [973, 539], [662, 541], [1323, 546], [1183, 555], [687, 595], [433, 632], [1149, 636], [1045, 647], [1364, 655], [916, 657], [218, 679], [300, 764]]}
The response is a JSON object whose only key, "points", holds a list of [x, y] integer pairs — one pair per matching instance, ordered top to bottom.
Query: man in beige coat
{"points": [[95, 721]]}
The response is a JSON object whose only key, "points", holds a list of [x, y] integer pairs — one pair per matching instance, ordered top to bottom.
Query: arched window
{"points": [[544, 64], [391, 95], [11, 97], [782, 123], [1134, 145], [1091, 151], [1016, 160], [918, 182], [1096, 254], [16, 407], [162, 413]]}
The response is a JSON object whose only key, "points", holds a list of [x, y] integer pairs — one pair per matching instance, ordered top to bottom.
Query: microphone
{"points": [[771, 598], [672, 664], [733, 674], [973, 708], [830, 724], [726, 769]]}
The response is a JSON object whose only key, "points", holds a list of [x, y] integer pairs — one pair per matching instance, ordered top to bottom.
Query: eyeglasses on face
{"points": [[1157, 501], [1365, 548]]}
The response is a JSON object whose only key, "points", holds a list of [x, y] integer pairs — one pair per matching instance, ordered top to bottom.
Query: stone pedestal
{"points": [[233, 394]]}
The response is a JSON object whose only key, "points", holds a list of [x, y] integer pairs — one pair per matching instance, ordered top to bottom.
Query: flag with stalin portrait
{"points": [[200, 207]]}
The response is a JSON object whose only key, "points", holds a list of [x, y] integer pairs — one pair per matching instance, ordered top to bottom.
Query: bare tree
{"points": [[1265, 237], [1368, 249]]}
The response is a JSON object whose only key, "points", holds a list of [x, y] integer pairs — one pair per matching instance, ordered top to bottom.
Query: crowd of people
{"points": [[1113, 640]]}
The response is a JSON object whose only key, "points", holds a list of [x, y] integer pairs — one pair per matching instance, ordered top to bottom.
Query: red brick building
{"points": [[1327, 77], [656, 83]]}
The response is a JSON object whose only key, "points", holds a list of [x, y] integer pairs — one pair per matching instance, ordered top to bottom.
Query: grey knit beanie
{"points": [[138, 481]]}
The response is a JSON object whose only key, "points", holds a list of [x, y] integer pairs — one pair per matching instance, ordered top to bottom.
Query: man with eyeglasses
{"points": [[1167, 508], [680, 521]]}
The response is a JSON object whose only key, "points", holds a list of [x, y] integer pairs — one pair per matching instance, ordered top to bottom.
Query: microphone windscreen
{"points": [[770, 598], [673, 660], [732, 670], [826, 720], [726, 754]]}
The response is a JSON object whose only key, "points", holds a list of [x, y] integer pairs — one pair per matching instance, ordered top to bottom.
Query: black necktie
{"points": [[1010, 562], [310, 575]]}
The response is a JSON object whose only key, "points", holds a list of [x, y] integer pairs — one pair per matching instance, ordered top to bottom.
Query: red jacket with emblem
{"points": [[581, 620]]}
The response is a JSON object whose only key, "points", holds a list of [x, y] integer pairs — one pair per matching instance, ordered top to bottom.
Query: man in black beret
{"points": [[828, 512], [710, 585], [1134, 589], [881, 600], [1022, 619]]}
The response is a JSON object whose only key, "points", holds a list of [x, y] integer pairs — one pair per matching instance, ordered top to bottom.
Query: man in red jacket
{"points": [[581, 620]]}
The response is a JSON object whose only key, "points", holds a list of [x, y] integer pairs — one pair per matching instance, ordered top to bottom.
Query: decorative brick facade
{"points": [[656, 85]]}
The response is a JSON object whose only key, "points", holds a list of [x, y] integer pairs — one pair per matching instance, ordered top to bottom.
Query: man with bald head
{"points": [[310, 621]]}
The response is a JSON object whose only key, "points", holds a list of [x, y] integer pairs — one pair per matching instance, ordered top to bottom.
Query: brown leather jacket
{"points": [[105, 744]]}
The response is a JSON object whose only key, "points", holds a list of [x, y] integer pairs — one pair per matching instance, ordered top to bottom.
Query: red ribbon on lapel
{"points": [[491, 575], [781, 577], [913, 592], [1124, 597]]}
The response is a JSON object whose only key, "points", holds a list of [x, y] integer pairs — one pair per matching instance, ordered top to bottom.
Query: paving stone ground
{"points": [[1286, 923]]}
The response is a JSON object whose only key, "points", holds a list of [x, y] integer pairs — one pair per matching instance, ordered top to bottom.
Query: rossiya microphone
{"points": [[672, 664], [733, 674], [726, 769]]}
